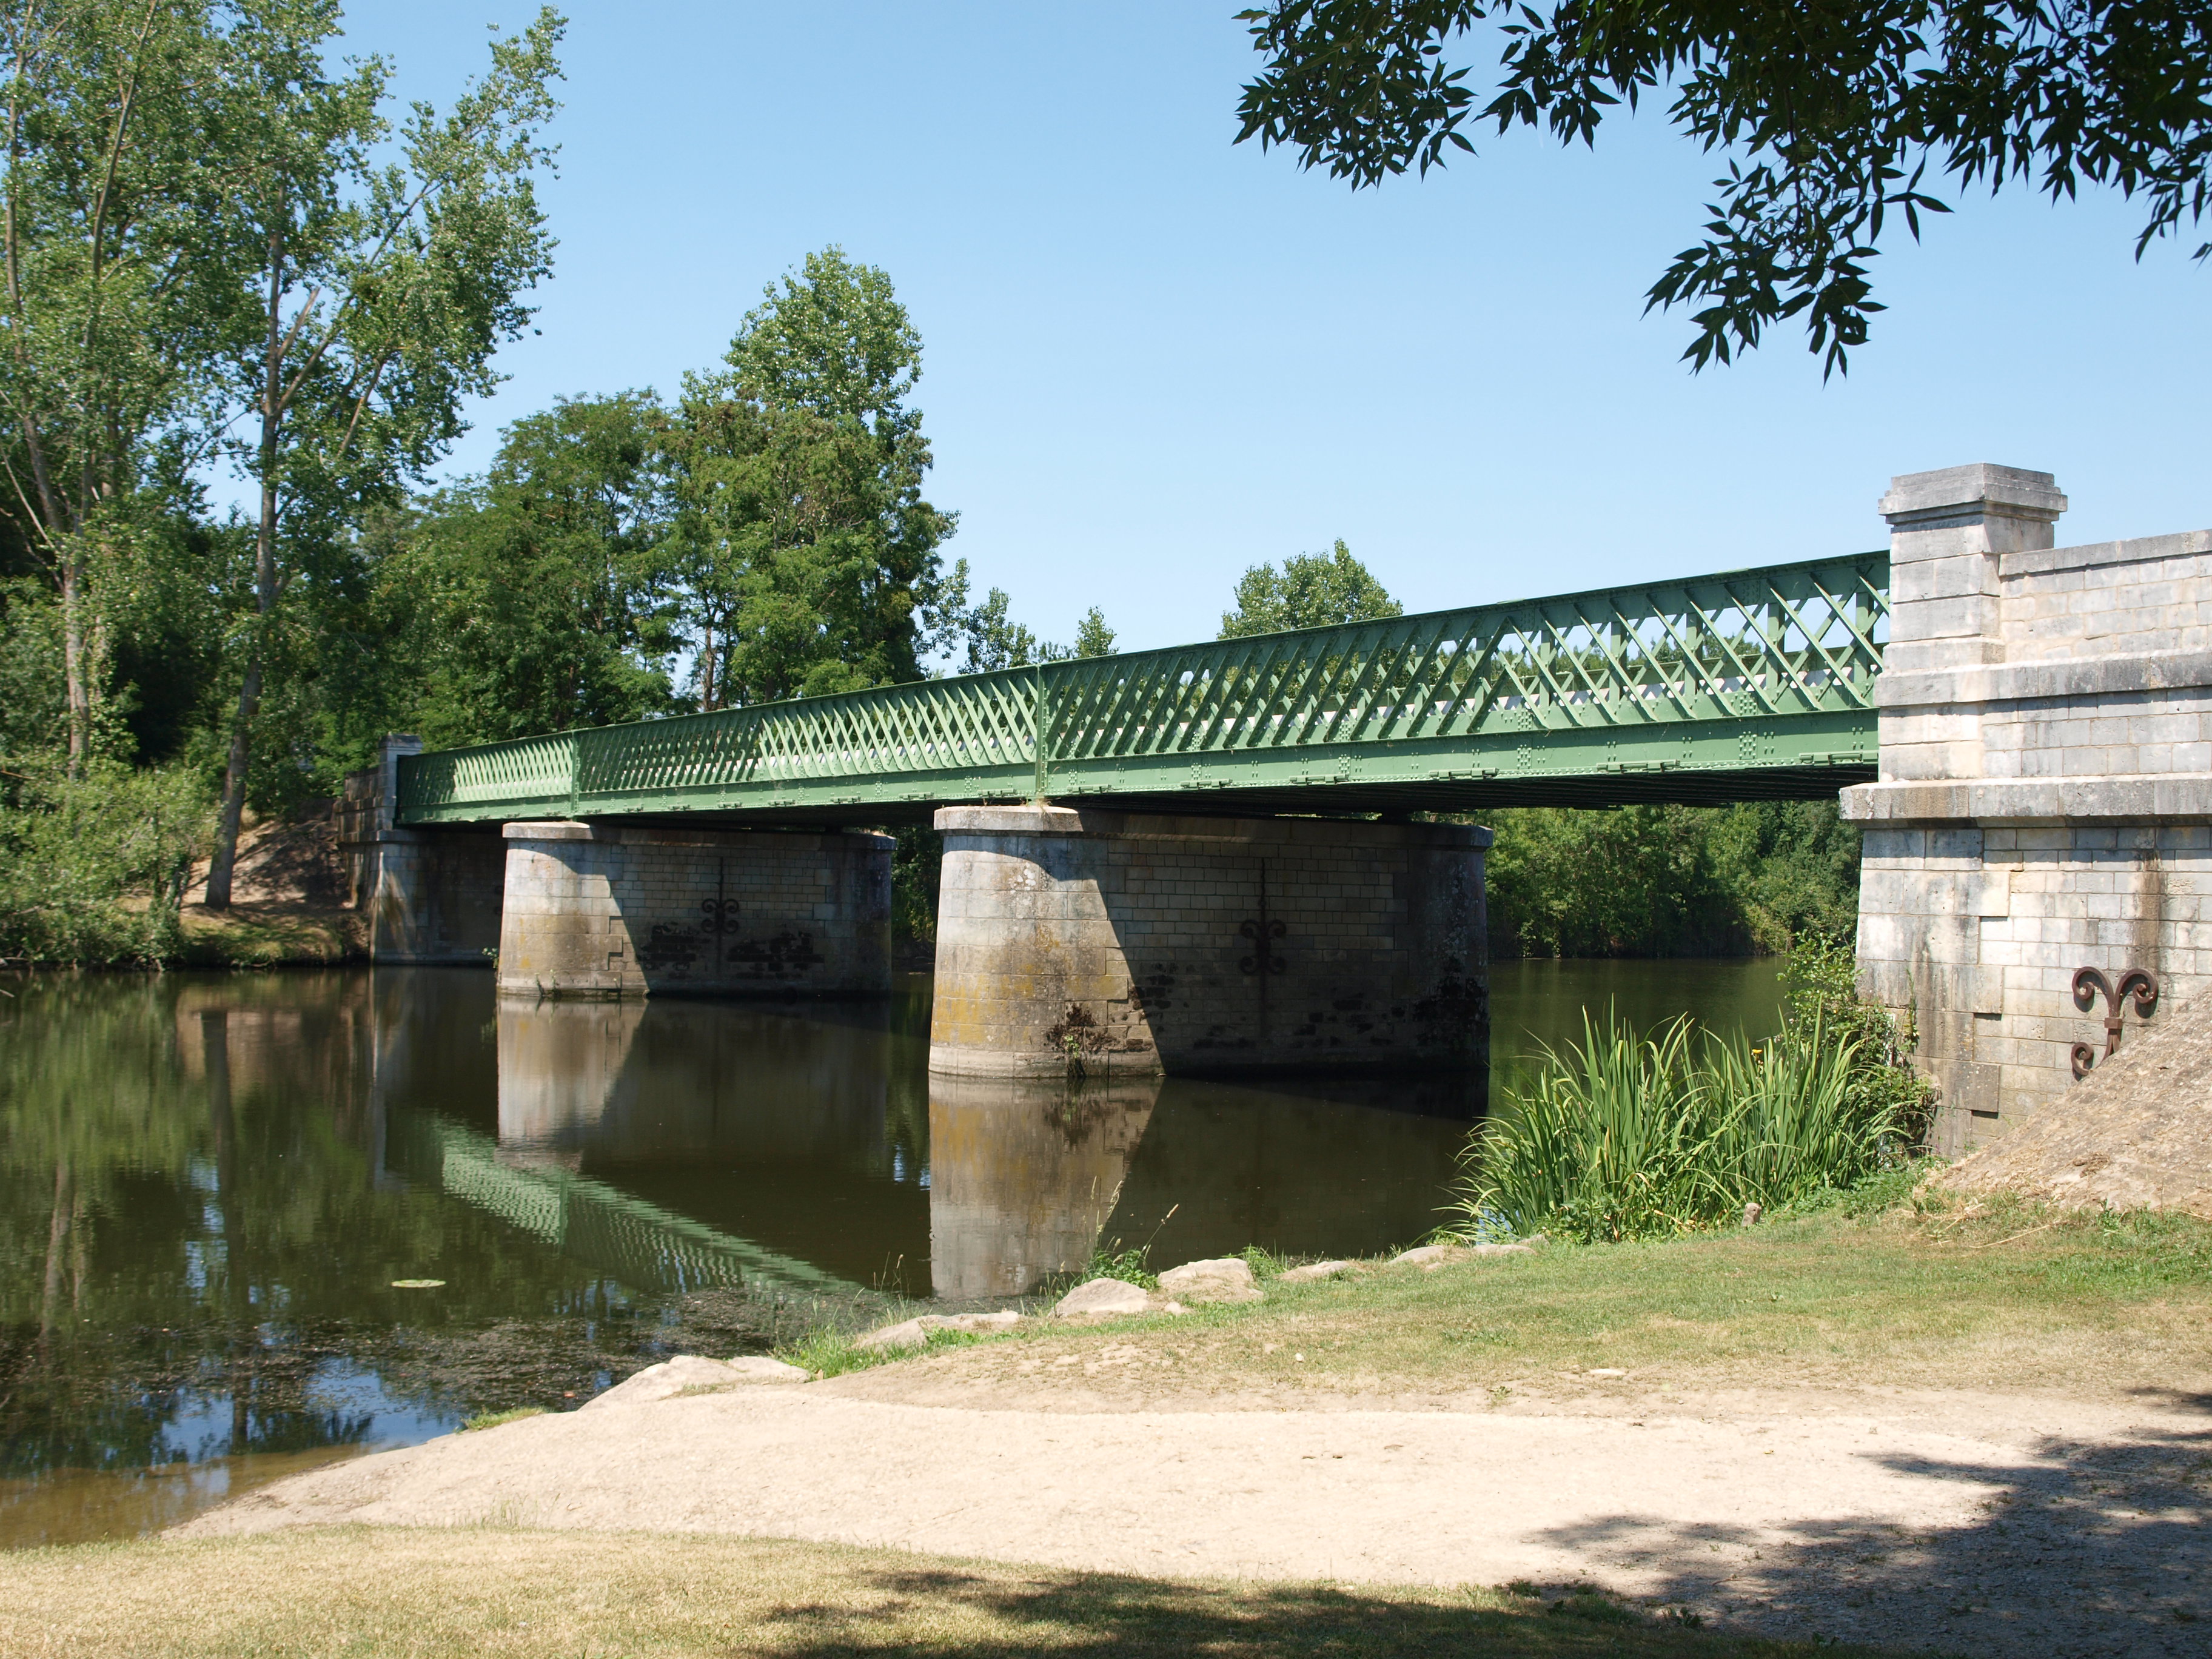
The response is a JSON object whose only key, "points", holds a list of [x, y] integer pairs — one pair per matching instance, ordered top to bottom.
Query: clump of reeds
{"points": [[1622, 1136]]}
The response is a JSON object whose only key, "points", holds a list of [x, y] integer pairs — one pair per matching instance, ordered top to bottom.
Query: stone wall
{"points": [[2045, 787], [433, 896], [611, 910], [1127, 942]]}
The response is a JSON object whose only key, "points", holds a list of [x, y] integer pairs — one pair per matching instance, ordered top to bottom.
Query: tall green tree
{"points": [[1830, 118], [381, 291], [115, 296], [807, 555], [1312, 589], [533, 599], [994, 641]]}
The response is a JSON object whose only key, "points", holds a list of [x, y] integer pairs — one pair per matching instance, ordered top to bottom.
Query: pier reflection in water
{"points": [[678, 1144], [217, 1191]]}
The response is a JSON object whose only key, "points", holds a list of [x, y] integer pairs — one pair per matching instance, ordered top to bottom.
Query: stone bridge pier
{"points": [[2045, 805], [625, 909], [613, 910], [1109, 943]]}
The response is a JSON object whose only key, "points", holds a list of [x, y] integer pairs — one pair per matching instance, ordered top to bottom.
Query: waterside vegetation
{"points": [[1625, 1136]]}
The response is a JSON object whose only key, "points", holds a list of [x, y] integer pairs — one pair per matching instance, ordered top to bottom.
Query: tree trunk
{"points": [[75, 664], [225, 860]]}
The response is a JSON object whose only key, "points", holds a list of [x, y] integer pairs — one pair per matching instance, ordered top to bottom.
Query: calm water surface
{"points": [[212, 1190]]}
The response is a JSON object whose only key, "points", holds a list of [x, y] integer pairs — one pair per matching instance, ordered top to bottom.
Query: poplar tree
{"points": [[379, 288], [114, 297]]}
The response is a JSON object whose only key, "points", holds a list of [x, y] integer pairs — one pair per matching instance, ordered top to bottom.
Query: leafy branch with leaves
{"points": [[1832, 117]]}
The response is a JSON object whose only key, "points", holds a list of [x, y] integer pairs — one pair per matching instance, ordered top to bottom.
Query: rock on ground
{"points": [[2135, 1134], [1429, 1257], [1314, 1270], [1225, 1278], [1103, 1295], [914, 1333], [691, 1371]]}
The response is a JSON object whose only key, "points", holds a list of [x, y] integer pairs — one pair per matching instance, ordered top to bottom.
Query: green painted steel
{"points": [[1747, 683]]}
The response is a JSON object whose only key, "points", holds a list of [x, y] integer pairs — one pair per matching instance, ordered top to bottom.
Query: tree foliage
{"points": [[1831, 117], [379, 288], [116, 298], [807, 555], [1312, 589], [534, 599], [1669, 880]]}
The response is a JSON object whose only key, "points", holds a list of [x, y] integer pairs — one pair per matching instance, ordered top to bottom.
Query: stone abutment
{"points": [[2046, 789]]}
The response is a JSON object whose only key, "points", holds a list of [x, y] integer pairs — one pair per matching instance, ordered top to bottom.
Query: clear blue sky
{"points": [[1154, 358]]}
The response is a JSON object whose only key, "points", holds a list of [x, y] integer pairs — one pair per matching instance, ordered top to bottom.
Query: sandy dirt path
{"points": [[2054, 1527]]}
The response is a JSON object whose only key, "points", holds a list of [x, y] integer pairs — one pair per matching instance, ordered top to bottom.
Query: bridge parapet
{"points": [[2046, 783]]}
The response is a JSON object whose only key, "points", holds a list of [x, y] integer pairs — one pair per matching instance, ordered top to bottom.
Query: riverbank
{"points": [[1969, 1426]]}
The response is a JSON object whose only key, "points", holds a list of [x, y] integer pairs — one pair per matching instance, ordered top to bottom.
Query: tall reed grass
{"points": [[1622, 1136]]}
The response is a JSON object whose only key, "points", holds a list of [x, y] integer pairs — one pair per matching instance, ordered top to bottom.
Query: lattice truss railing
{"points": [[1789, 639], [1792, 640]]}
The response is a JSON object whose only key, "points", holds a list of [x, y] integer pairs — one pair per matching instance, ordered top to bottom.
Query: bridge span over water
{"points": [[1749, 684], [1223, 856]]}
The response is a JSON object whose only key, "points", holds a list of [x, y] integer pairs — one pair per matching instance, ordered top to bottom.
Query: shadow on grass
{"points": [[2089, 1547], [1046, 1612]]}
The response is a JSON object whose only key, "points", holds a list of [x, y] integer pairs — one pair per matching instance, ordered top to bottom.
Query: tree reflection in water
{"points": [[209, 1186]]}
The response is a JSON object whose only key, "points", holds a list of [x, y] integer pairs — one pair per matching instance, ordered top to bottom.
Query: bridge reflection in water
{"points": [[676, 1145]]}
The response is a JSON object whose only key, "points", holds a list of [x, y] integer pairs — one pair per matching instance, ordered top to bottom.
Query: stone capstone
{"points": [[1225, 1278], [1103, 1295], [914, 1333], [691, 1371]]}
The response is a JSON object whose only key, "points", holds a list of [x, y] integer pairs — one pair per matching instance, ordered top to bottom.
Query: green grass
{"points": [[1852, 1289], [833, 1351], [493, 1419], [457, 1593]]}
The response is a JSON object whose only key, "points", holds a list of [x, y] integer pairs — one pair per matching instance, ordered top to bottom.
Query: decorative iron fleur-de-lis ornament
{"points": [[1266, 952], [2139, 984]]}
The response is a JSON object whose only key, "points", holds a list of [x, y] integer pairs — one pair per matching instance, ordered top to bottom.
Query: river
{"points": [[251, 1222]]}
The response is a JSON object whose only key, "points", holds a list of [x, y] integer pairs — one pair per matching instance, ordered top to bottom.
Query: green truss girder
{"points": [[1750, 682]]}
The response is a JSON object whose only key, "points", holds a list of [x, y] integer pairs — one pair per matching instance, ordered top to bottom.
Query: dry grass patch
{"points": [[358, 1591]]}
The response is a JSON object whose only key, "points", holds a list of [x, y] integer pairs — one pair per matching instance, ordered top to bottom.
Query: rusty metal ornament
{"points": [[1263, 931], [1273, 931], [2136, 984]]}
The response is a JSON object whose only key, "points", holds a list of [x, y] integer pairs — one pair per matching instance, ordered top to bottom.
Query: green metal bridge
{"points": [[1748, 685]]}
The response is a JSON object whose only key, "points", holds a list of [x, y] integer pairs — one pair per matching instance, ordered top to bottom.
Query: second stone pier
{"points": [[614, 910], [1104, 942]]}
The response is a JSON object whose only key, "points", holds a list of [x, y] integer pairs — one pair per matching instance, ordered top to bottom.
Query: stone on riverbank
{"points": [[1429, 1257], [1318, 1270], [1225, 1278], [1103, 1295], [914, 1333], [691, 1371]]}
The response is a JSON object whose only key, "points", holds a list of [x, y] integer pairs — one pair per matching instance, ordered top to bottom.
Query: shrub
{"points": [[93, 869], [1625, 1137]]}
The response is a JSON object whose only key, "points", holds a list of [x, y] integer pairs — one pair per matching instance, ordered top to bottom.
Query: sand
{"points": [[1983, 1524]]}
